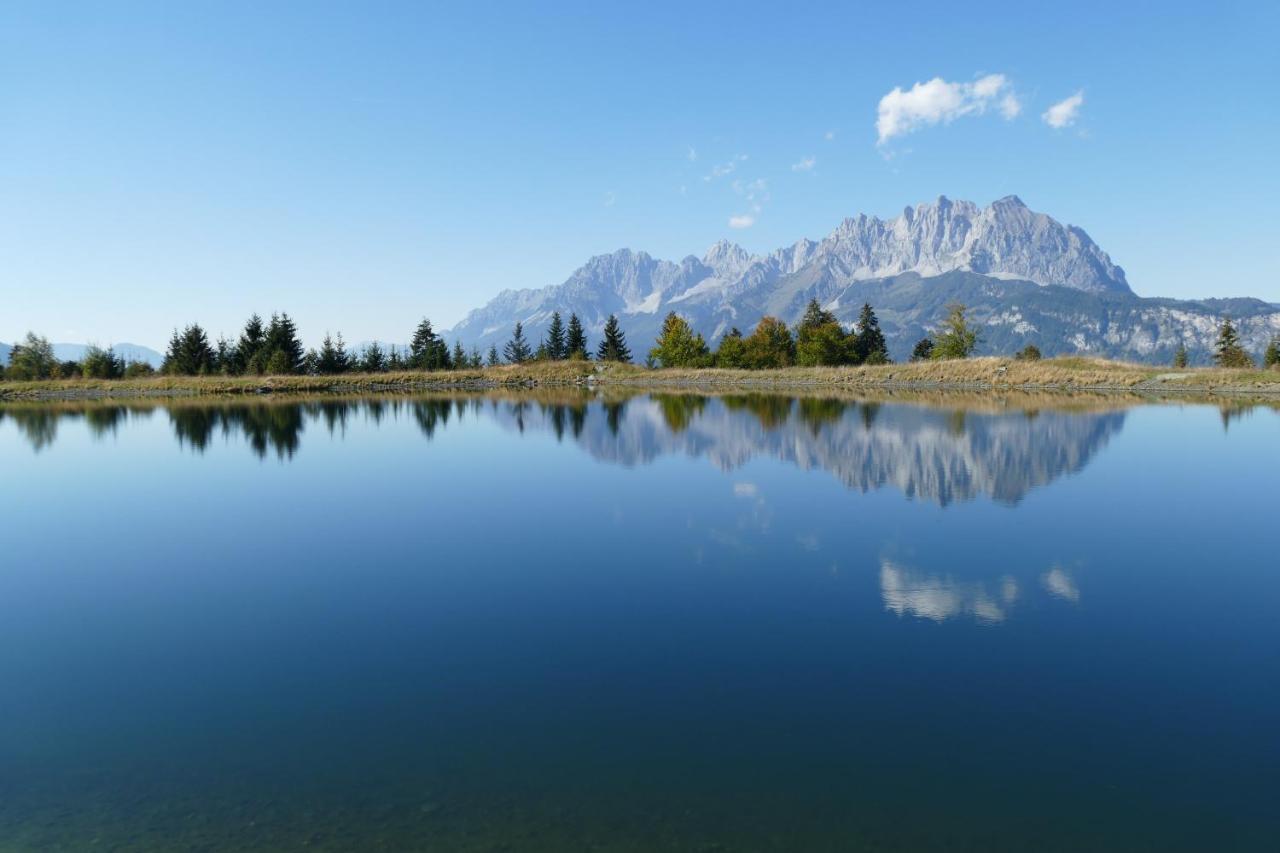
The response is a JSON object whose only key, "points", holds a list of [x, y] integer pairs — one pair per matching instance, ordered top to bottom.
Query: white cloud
{"points": [[940, 102], [1064, 113], [829, 135], [693, 154], [806, 164], [722, 169], [742, 220], [745, 490], [1061, 584]]}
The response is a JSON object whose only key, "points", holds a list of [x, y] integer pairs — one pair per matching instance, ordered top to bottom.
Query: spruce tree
{"points": [[820, 339], [555, 341], [575, 343], [869, 343], [613, 347], [283, 348], [424, 348], [517, 349], [247, 350], [1229, 352], [731, 353], [459, 356], [1180, 356], [333, 357], [1271, 358], [374, 360], [494, 360], [395, 361], [475, 362]]}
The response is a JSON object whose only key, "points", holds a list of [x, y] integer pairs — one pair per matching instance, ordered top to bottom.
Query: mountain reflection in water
{"points": [[933, 450]]}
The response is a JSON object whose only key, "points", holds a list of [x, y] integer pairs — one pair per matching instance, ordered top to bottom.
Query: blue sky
{"points": [[363, 164]]}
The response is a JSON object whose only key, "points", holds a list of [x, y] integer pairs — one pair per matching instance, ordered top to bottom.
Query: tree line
{"points": [[273, 347]]}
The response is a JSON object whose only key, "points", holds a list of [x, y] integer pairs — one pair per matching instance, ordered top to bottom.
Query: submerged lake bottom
{"points": [[588, 620]]}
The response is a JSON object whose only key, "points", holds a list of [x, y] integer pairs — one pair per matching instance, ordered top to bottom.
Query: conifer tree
{"points": [[820, 339], [555, 341], [575, 343], [869, 343], [679, 346], [613, 347], [283, 348], [424, 348], [517, 349], [923, 350], [1229, 352], [189, 353], [731, 353], [459, 356], [1180, 356], [333, 357], [246, 358], [1271, 358], [373, 360], [494, 360], [395, 361], [475, 362]]}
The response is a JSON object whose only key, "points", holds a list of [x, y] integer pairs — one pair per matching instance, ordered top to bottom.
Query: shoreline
{"points": [[988, 374]]}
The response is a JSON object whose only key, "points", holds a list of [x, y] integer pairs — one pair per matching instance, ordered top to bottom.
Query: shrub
{"points": [[1030, 352]]}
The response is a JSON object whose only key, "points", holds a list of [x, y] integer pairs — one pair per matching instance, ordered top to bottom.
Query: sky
{"points": [[361, 165]]}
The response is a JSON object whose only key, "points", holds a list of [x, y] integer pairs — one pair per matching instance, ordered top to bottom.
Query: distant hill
{"points": [[1027, 278], [75, 352], [129, 352]]}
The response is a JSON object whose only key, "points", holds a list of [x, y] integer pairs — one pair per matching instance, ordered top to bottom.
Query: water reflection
{"points": [[940, 449], [940, 597]]}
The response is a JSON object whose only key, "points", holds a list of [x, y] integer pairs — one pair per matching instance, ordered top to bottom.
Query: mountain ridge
{"points": [[983, 257]]}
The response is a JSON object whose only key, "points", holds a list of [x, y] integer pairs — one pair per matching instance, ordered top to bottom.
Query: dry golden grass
{"points": [[1057, 374]]}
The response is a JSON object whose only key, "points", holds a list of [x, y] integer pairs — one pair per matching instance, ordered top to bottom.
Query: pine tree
{"points": [[820, 339], [957, 339], [555, 341], [869, 343], [575, 344], [679, 346], [613, 347], [247, 349], [283, 349], [423, 349], [517, 349], [1229, 352], [189, 353], [731, 353], [459, 356], [1180, 356], [333, 357], [1271, 358], [374, 360], [494, 360]]}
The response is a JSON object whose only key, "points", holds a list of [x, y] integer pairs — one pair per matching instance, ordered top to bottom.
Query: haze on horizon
{"points": [[164, 163]]}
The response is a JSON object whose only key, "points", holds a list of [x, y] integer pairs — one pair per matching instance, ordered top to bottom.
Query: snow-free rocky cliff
{"points": [[1027, 278]]}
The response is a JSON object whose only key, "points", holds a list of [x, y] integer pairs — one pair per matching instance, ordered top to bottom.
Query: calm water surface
{"points": [[576, 622]]}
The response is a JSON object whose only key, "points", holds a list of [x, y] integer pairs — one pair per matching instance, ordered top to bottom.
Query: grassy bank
{"points": [[1058, 374]]}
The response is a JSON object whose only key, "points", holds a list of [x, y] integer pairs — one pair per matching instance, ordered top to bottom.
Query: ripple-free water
{"points": [[563, 621]]}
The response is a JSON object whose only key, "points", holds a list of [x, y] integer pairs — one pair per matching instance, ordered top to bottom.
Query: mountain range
{"points": [[1026, 278], [75, 352]]}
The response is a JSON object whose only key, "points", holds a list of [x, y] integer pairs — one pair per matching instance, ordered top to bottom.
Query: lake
{"points": [[590, 621]]}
